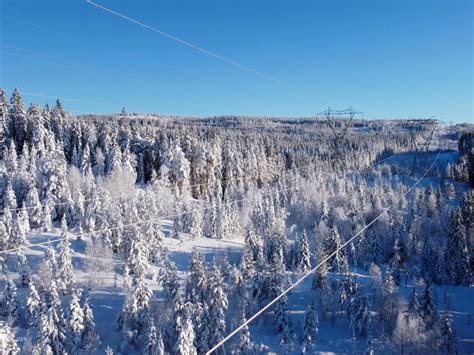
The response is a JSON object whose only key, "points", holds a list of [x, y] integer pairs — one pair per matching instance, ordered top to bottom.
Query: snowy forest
{"points": [[137, 233]]}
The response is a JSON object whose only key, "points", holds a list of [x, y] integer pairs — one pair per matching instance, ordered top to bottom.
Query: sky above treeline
{"points": [[389, 59]]}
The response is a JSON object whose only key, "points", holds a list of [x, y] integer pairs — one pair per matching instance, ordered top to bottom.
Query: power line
{"points": [[186, 43], [28, 53], [58, 97], [175, 188], [153, 220], [301, 279]]}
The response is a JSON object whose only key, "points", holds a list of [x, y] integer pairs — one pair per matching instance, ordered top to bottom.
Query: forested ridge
{"points": [[101, 207]]}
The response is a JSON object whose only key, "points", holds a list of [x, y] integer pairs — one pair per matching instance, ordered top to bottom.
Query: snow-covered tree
{"points": [[457, 252], [304, 261], [168, 278], [66, 279], [196, 287], [10, 301], [217, 302], [33, 303], [427, 306], [282, 320], [75, 324], [311, 324], [185, 337], [51, 338], [90, 339], [154, 343], [447, 343], [244, 344], [8, 345]]}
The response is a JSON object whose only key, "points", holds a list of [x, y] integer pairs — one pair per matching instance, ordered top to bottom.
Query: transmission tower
{"points": [[340, 120], [421, 134]]}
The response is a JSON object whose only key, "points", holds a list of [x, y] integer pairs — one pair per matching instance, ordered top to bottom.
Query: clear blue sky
{"points": [[390, 59]]}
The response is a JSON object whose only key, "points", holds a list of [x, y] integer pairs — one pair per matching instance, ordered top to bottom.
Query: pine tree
{"points": [[17, 124], [34, 212], [24, 219], [46, 219], [196, 221], [18, 233], [4, 236], [251, 240], [332, 243], [457, 251], [304, 263], [396, 264], [247, 266], [24, 268], [320, 274], [197, 278], [66, 279], [169, 279], [10, 301], [217, 302], [33, 303], [413, 303], [427, 306], [358, 314], [282, 320], [75, 324], [311, 324], [202, 331], [51, 337], [185, 337], [90, 338], [448, 342], [154, 344], [8, 345], [244, 345]]}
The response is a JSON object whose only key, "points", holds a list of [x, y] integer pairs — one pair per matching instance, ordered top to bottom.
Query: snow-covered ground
{"points": [[334, 336]]}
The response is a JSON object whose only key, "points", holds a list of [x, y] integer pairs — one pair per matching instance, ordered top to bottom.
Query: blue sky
{"points": [[389, 59]]}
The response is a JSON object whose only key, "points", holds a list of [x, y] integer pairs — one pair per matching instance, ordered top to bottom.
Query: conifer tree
{"points": [[17, 124], [34, 212], [46, 219], [196, 221], [18, 233], [4, 236], [332, 243], [457, 251], [304, 263], [247, 266], [24, 269], [65, 269], [197, 278], [169, 279], [10, 301], [217, 302], [33, 303], [413, 303], [427, 306], [358, 314], [282, 320], [75, 324], [311, 324], [202, 330], [51, 337], [185, 337], [90, 338], [447, 342], [154, 343], [244, 345], [8, 346]]}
